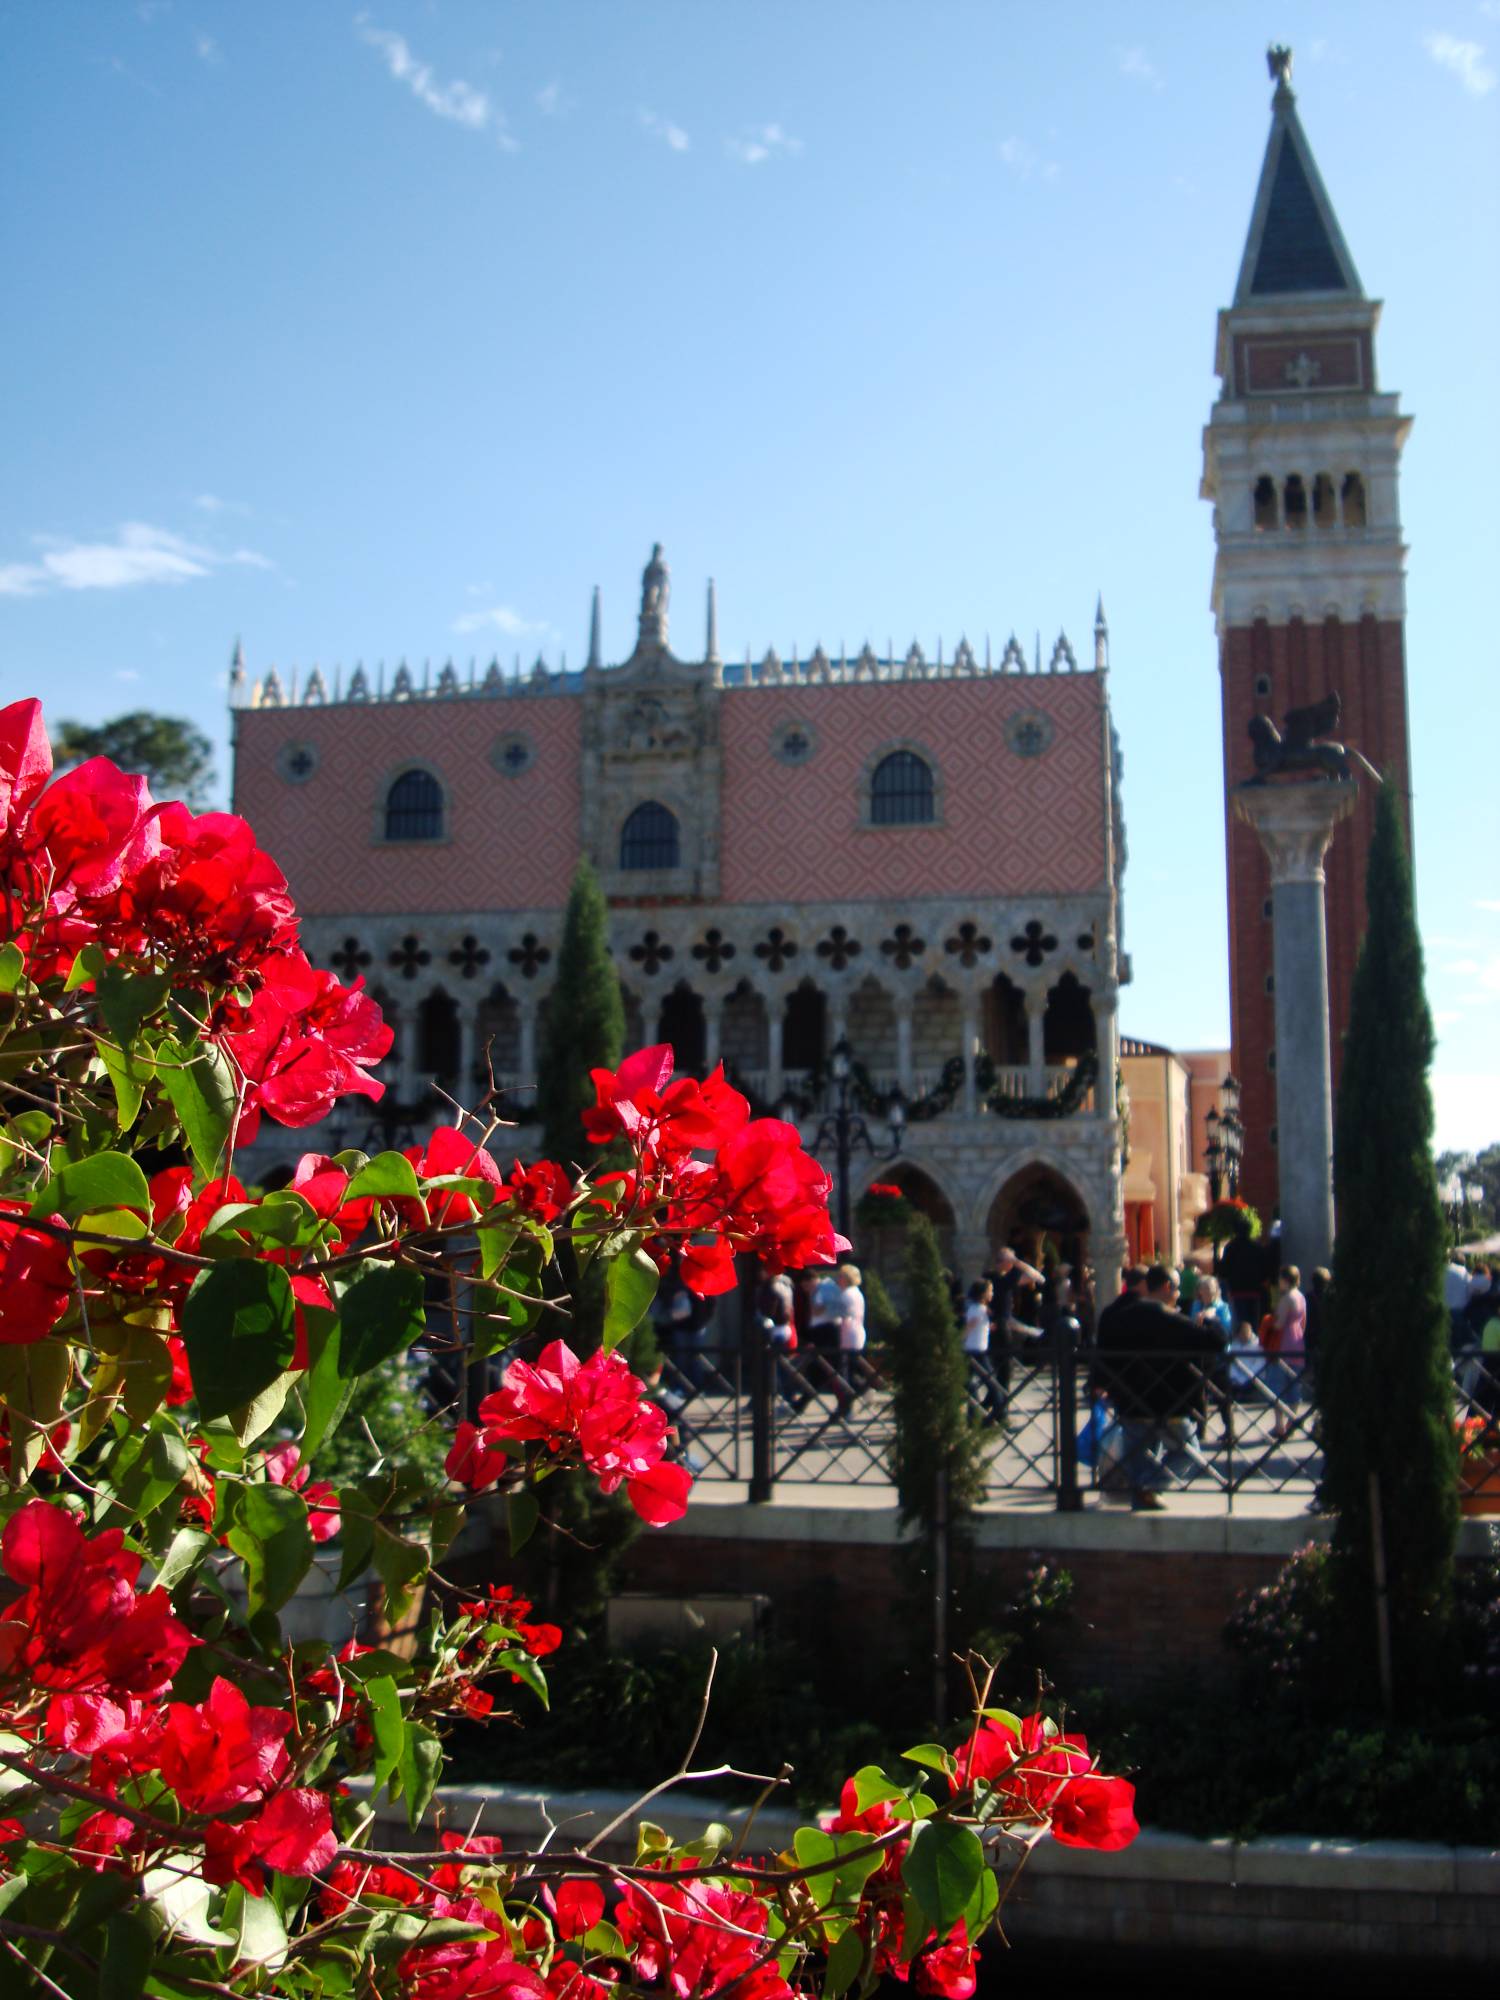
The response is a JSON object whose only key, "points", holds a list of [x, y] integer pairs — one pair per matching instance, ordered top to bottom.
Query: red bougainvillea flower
{"points": [[25, 762], [87, 830], [209, 896], [303, 1042], [663, 1121], [450, 1151], [324, 1184], [541, 1190], [36, 1276], [596, 1404], [471, 1461], [284, 1467], [501, 1606], [79, 1627], [1049, 1776], [469, 1851], [577, 1906], [697, 1937], [947, 1969]]}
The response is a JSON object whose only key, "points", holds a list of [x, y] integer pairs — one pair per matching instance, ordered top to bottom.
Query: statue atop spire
{"points": [[1279, 63], [656, 592]]}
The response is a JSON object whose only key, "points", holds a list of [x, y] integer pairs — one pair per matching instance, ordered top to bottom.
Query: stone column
{"points": [[1295, 823], [713, 1008], [774, 1025], [407, 1027], [970, 1038], [528, 1043], [903, 1048], [1036, 1048], [1107, 1049], [467, 1091]]}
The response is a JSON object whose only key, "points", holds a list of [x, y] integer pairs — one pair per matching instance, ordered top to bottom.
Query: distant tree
{"points": [[176, 758], [585, 1020], [1475, 1170], [1384, 1375], [936, 1436]]}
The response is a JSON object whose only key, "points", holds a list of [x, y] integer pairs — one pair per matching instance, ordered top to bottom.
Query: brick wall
{"points": [[1365, 664]]}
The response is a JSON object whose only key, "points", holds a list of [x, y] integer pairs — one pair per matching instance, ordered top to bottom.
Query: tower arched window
{"points": [[1354, 500], [1294, 501], [1266, 515], [902, 791], [414, 807], [650, 837]]}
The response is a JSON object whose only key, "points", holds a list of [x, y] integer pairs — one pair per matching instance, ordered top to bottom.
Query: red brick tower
{"points": [[1301, 459]]}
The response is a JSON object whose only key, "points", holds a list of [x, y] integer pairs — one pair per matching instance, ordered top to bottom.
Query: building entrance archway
{"points": [[1042, 1217]]}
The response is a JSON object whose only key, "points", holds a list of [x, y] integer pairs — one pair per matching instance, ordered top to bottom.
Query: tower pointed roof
{"points": [[1295, 245]]}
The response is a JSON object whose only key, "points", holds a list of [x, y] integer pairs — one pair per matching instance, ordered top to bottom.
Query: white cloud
{"points": [[1490, 9], [207, 49], [1465, 59], [1136, 64], [457, 101], [551, 101], [670, 135], [759, 142], [1024, 160], [138, 554], [500, 618], [126, 674], [1490, 903], [1466, 1109]]}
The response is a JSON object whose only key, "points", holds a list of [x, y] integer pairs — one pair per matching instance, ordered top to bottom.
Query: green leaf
{"points": [[88, 962], [12, 966], [127, 997], [128, 1080], [198, 1080], [388, 1174], [107, 1180], [284, 1218], [630, 1283], [380, 1314], [239, 1322], [33, 1382], [326, 1391], [254, 1418], [157, 1473], [522, 1512], [357, 1513], [275, 1542], [188, 1548], [400, 1565], [525, 1669], [1004, 1716], [389, 1726], [934, 1756], [420, 1768], [873, 1787], [812, 1846], [942, 1870], [982, 1906], [256, 1919], [126, 1959], [844, 1962]]}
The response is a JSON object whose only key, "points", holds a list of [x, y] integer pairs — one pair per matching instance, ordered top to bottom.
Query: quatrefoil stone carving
{"points": [[1034, 943], [967, 944], [903, 946], [838, 947], [776, 948], [713, 949], [652, 953], [469, 955], [530, 955], [409, 957], [350, 959]]}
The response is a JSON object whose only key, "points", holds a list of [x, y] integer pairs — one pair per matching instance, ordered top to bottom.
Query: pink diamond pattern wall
{"points": [[1009, 825], [512, 840]]}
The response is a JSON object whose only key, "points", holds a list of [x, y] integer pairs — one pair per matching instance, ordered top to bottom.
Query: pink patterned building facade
{"points": [[919, 857]]}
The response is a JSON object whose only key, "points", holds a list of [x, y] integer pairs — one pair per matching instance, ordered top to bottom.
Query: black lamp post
{"points": [[843, 1128], [1231, 1133], [1213, 1154]]}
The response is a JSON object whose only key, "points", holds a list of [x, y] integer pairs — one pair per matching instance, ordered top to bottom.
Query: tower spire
{"points": [[1295, 244], [1101, 637], [711, 654], [593, 659], [236, 675]]}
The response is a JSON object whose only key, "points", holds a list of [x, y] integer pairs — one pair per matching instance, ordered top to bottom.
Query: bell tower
{"points": [[1301, 460]]}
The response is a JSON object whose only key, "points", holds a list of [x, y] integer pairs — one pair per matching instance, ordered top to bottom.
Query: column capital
{"points": [[1295, 822]]}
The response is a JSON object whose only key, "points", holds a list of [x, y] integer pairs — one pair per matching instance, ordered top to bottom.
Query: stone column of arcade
{"points": [[1295, 823]]}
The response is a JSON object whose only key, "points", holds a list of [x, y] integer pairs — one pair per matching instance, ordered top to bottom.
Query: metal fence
{"points": [[1059, 1421]]}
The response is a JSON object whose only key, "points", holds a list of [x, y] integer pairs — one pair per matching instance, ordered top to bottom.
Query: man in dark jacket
{"points": [[1242, 1275], [1153, 1362]]}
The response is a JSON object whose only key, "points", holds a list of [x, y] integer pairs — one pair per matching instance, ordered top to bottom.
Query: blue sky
{"points": [[385, 333]]}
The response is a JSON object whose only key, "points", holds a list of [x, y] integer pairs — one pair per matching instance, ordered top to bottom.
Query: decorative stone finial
{"points": [[1279, 63], [656, 591], [712, 654], [594, 659]]}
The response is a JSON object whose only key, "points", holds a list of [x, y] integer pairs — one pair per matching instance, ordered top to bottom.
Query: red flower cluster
{"points": [[92, 860], [760, 1193], [36, 1276], [595, 1406], [284, 1467], [501, 1606], [80, 1628], [1049, 1778], [694, 1937]]}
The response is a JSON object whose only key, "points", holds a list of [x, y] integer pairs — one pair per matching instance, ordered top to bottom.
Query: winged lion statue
{"points": [[1304, 743]]}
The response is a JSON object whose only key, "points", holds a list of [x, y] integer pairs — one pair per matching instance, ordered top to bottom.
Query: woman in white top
{"points": [[851, 1323], [984, 1385]]}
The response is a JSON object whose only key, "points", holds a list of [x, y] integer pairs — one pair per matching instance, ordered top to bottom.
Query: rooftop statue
{"points": [[656, 590], [1306, 745]]}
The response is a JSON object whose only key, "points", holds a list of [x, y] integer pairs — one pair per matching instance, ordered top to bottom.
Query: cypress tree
{"points": [[585, 1020], [1384, 1377], [935, 1432]]}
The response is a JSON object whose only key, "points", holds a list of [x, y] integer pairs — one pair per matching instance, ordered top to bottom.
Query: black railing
{"points": [[1063, 1422]]}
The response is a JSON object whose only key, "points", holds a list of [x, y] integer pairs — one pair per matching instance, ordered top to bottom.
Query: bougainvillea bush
{"points": [[187, 1799]]}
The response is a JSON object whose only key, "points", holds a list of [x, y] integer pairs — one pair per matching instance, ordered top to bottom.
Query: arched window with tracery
{"points": [[902, 792], [414, 807], [650, 837]]}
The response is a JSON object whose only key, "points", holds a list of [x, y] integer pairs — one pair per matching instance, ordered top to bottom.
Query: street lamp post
{"points": [[843, 1128], [1213, 1154]]}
